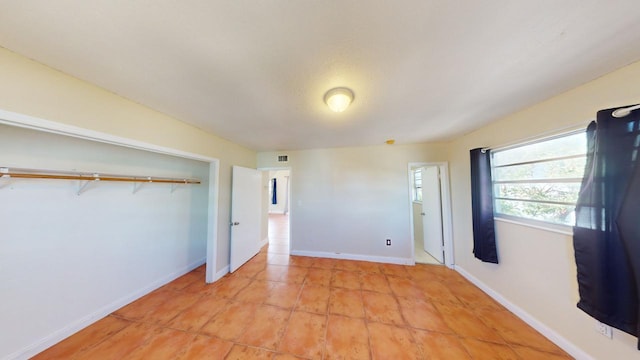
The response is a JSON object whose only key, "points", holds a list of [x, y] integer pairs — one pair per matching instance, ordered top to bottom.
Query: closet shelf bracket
{"points": [[5, 178], [138, 183], [82, 184], [176, 185]]}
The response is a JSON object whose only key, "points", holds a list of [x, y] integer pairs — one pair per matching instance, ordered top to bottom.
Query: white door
{"points": [[246, 199], [432, 212]]}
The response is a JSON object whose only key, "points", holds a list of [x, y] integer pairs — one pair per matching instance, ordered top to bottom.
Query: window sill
{"points": [[558, 229]]}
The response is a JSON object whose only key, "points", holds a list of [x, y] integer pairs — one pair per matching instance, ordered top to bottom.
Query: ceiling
{"points": [[255, 72]]}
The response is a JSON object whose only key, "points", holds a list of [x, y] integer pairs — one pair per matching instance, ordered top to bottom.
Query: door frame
{"points": [[276, 168], [445, 198]]}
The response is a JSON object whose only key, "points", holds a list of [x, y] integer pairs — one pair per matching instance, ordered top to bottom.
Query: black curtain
{"points": [[274, 194], [606, 237], [484, 239]]}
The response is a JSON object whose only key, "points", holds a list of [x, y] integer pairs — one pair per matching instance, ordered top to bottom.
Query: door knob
{"points": [[423, 214]]}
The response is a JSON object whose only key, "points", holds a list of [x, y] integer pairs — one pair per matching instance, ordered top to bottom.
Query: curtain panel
{"points": [[274, 192], [606, 236], [484, 239]]}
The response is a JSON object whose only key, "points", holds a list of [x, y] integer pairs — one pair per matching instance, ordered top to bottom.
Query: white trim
{"points": [[34, 123], [447, 222], [212, 223], [550, 228], [264, 242], [342, 256], [222, 272], [89, 319], [549, 333]]}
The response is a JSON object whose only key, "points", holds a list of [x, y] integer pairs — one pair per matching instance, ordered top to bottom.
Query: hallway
{"points": [[278, 247]]}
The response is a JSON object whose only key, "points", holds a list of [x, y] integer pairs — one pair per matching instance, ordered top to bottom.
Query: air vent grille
{"points": [[283, 158]]}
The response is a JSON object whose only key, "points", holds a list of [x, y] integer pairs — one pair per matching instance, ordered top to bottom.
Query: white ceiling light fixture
{"points": [[338, 99]]}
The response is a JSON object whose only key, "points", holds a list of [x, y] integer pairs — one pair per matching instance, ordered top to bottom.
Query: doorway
{"points": [[430, 213], [277, 243]]}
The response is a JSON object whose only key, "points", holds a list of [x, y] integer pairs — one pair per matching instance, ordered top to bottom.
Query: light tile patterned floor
{"points": [[287, 307]]}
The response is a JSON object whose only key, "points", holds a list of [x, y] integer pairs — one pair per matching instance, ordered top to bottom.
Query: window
{"points": [[540, 181], [417, 184]]}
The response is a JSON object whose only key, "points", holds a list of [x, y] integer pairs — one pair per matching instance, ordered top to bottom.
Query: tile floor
{"points": [[423, 257], [281, 307]]}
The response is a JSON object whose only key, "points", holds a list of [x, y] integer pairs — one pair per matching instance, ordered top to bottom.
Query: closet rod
{"points": [[35, 174]]}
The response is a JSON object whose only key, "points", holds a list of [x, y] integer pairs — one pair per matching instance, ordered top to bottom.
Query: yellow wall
{"points": [[33, 89], [537, 271]]}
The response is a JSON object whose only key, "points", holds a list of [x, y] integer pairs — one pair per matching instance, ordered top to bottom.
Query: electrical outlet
{"points": [[388, 242], [604, 329]]}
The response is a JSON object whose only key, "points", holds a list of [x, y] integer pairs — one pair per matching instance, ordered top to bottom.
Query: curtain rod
{"points": [[622, 112], [618, 113], [547, 134]]}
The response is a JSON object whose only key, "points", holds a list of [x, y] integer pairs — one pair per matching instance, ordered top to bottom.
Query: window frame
{"points": [[531, 222]]}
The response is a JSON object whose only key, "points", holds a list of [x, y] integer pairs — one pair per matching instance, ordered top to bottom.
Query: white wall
{"points": [[345, 202], [65, 258], [537, 270]]}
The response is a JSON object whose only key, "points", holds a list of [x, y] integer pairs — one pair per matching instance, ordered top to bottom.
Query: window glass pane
{"points": [[574, 144], [557, 169], [417, 185], [524, 190], [558, 192], [559, 214]]}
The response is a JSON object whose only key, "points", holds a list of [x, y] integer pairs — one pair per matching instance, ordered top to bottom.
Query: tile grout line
{"points": [[333, 267]]}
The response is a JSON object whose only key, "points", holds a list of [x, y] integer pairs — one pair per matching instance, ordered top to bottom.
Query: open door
{"points": [[246, 200], [432, 212]]}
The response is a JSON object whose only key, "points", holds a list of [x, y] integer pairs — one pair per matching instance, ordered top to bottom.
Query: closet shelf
{"points": [[86, 177]]}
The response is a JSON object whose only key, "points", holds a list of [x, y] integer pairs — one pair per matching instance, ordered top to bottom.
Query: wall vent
{"points": [[283, 158]]}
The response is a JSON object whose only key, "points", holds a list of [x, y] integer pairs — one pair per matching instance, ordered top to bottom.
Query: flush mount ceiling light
{"points": [[338, 99]]}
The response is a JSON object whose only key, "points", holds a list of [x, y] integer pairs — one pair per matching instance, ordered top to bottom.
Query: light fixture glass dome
{"points": [[338, 99]]}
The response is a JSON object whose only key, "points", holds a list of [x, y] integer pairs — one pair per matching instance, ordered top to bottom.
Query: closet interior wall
{"points": [[67, 259]]}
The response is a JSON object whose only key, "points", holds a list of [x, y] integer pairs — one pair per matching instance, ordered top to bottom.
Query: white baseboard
{"points": [[264, 242], [342, 256], [222, 272], [87, 320], [549, 333]]}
